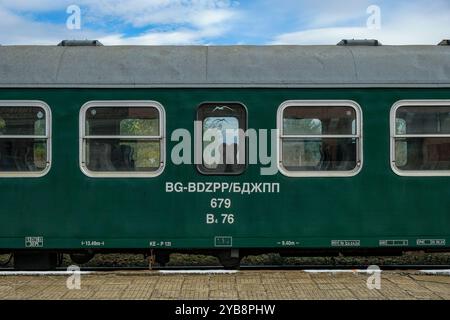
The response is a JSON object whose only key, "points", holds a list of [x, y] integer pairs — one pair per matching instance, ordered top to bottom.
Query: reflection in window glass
{"points": [[318, 120], [424, 120], [22, 121], [135, 121], [302, 126], [139, 127], [227, 128], [223, 138], [23, 139], [122, 139], [401, 146], [415, 149], [336, 150], [324, 154], [426, 154], [23, 155], [122, 155], [303, 155]]}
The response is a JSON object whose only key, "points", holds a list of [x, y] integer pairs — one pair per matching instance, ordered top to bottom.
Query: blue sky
{"points": [[219, 22]]}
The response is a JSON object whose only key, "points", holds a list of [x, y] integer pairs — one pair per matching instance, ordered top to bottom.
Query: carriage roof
{"points": [[225, 66]]}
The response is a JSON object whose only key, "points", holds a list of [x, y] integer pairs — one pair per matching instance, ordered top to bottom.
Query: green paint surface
{"points": [[71, 210]]}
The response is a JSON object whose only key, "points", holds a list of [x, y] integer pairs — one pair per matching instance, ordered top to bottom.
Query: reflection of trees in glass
{"points": [[445, 123], [2, 125], [227, 125], [302, 126], [400, 126], [39, 127], [139, 127], [303, 152], [23, 153], [145, 153], [40, 154]]}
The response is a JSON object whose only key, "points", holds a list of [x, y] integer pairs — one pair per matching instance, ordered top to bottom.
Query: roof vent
{"points": [[359, 42], [445, 42], [80, 43]]}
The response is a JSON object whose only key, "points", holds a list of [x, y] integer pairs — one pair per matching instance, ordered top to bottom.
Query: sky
{"points": [[223, 22]]}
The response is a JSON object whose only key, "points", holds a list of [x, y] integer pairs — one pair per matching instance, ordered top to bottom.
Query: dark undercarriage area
{"points": [[26, 260]]}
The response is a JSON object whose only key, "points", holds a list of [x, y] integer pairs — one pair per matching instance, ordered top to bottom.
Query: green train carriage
{"points": [[359, 163]]}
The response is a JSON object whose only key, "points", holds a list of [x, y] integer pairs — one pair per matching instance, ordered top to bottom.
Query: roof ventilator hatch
{"points": [[360, 42], [80, 43]]}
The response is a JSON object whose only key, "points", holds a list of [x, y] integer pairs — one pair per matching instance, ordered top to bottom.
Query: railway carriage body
{"points": [[91, 158]]}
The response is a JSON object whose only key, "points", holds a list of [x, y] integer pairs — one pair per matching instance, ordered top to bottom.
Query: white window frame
{"points": [[122, 103], [321, 103], [394, 136], [47, 137]]}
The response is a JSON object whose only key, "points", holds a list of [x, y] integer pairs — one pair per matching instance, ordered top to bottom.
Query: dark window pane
{"points": [[319, 120], [423, 120], [22, 121], [130, 121], [324, 154], [423, 154], [23, 155], [112, 155]]}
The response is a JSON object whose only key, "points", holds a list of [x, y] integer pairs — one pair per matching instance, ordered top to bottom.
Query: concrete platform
{"points": [[243, 285]]}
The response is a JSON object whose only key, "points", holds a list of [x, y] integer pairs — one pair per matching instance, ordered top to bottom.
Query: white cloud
{"points": [[35, 5], [140, 13], [327, 13], [211, 17], [168, 21], [207, 21], [191, 22], [402, 25], [15, 29], [179, 37]]}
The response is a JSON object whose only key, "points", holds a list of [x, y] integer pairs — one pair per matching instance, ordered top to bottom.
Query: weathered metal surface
{"points": [[225, 66]]}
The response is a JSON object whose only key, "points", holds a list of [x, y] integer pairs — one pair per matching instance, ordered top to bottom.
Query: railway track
{"points": [[273, 267], [317, 268]]}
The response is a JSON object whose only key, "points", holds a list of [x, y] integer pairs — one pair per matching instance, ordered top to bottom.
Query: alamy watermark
{"points": [[374, 20], [73, 22], [226, 147], [74, 280], [374, 280]]}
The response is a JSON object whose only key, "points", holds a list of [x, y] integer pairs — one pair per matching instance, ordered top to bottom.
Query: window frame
{"points": [[321, 103], [121, 104], [393, 136], [47, 137], [198, 140]]}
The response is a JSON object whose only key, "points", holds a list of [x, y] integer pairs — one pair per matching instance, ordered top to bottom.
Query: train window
{"points": [[319, 138], [420, 138], [122, 139], [221, 140], [25, 146]]}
